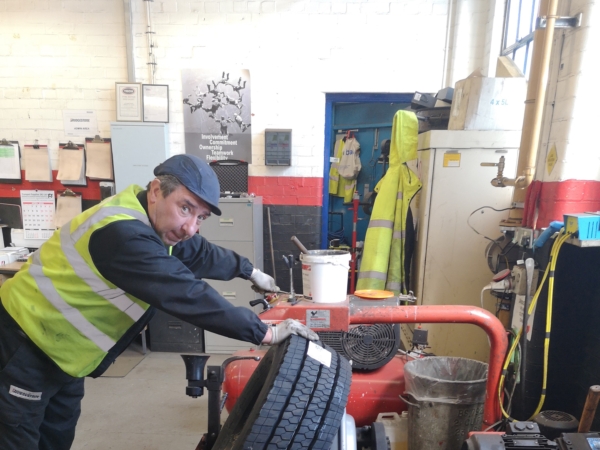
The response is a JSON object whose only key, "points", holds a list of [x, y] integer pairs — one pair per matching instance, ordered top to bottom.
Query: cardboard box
{"points": [[484, 103]]}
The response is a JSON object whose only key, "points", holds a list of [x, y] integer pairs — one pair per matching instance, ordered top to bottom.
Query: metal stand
{"points": [[194, 373]]}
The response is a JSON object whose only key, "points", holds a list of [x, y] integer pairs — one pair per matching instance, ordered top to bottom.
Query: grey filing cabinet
{"points": [[137, 147], [239, 228]]}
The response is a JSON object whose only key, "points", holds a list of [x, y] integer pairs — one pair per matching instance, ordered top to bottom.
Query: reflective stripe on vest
{"points": [[381, 224], [373, 274], [393, 286], [62, 301], [71, 314]]}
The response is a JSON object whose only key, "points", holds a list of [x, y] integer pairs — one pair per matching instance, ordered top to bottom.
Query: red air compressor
{"points": [[366, 332]]}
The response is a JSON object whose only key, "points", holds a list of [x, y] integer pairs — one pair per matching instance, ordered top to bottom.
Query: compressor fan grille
{"points": [[368, 346], [371, 346]]}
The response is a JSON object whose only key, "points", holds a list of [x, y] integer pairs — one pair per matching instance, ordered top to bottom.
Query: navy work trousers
{"points": [[39, 403]]}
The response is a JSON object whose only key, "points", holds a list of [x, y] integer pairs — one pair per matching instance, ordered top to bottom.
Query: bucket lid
{"points": [[327, 252], [324, 256]]}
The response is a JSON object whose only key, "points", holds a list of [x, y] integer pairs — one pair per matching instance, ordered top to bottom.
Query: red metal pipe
{"points": [[451, 314]]}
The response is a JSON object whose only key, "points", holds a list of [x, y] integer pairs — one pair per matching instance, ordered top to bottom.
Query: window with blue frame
{"points": [[519, 26]]}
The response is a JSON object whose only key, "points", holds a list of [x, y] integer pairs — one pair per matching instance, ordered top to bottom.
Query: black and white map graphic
{"points": [[216, 114]]}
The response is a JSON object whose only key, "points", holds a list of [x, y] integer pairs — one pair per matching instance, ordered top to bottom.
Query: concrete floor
{"points": [[145, 410]]}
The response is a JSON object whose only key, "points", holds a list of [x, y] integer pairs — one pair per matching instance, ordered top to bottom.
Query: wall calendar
{"points": [[38, 214]]}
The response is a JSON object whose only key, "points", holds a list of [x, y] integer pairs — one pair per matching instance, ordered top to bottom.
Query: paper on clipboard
{"points": [[99, 160], [37, 163], [10, 165], [71, 166], [67, 207]]}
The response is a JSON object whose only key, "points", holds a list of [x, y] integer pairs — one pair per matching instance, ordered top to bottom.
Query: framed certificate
{"points": [[129, 101], [155, 102]]}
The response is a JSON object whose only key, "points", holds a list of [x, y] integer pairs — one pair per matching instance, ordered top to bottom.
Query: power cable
{"points": [[481, 234], [549, 272]]}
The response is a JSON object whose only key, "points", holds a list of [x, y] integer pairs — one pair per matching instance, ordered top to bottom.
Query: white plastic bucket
{"points": [[325, 275]]}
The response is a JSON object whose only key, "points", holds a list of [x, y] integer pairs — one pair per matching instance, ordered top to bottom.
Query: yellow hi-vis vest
{"points": [[338, 185], [383, 258], [66, 307]]}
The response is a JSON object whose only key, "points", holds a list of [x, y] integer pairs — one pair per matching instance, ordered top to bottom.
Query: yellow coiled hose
{"points": [[560, 240]]}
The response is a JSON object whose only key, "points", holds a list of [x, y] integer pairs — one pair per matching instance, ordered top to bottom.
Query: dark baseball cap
{"points": [[196, 176]]}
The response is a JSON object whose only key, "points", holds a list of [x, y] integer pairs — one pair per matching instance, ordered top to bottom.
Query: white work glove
{"points": [[263, 282], [285, 329]]}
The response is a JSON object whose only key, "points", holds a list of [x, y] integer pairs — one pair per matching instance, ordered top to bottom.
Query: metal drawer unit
{"points": [[239, 228]]}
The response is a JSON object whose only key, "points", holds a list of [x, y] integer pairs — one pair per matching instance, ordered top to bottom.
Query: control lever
{"points": [[261, 301], [215, 375]]}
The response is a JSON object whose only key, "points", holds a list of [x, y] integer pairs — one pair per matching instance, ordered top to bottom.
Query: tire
{"points": [[291, 401]]}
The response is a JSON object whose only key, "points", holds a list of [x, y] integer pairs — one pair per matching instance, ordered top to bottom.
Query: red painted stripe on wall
{"points": [[10, 190], [305, 191], [557, 198]]}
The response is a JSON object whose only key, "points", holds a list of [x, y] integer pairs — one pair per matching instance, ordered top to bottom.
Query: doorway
{"points": [[368, 118]]}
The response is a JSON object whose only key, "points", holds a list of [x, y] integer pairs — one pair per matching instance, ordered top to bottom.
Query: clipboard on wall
{"points": [[36, 159], [99, 159], [10, 162], [71, 164], [68, 206]]}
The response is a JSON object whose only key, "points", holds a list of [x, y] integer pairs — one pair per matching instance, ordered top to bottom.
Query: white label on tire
{"points": [[319, 354]]}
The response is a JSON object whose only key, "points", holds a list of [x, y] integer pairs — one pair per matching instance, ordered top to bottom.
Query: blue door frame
{"points": [[330, 101]]}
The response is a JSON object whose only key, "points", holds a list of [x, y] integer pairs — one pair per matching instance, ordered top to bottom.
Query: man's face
{"points": [[176, 217]]}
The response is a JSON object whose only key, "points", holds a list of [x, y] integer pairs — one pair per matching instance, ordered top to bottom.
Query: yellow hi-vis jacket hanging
{"points": [[340, 186], [383, 258], [63, 303]]}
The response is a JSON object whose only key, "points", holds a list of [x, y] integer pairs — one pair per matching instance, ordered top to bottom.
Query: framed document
{"points": [[129, 101], [155, 102]]}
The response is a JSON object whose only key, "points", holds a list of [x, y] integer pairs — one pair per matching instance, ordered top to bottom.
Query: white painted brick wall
{"points": [[469, 26], [298, 50], [58, 54], [571, 125]]}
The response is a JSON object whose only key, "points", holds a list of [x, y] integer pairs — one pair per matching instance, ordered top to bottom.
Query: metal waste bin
{"points": [[446, 401]]}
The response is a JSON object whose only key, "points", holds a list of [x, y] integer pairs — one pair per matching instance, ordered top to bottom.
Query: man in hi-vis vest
{"points": [[81, 299]]}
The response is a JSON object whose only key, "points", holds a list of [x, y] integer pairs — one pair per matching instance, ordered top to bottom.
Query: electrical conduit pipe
{"points": [[534, 108], [451, 314]]}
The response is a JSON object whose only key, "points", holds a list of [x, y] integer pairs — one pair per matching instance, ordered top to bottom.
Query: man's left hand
{"points": [[263, 282], [285, 329]]}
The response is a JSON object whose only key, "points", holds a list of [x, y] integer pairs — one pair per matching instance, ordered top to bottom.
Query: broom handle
{"points": [[589, 409]]}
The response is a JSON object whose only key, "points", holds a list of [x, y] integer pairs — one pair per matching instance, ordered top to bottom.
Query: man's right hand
{"points": [[263, 282], [285, 329]]}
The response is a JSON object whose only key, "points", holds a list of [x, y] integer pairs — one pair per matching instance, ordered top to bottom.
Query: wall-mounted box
{"points": [[484, 103], [278, 147], [137, 148], [585, 225]]}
